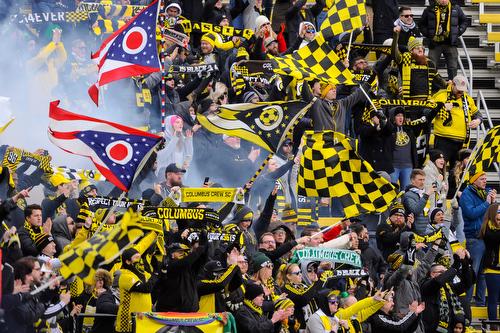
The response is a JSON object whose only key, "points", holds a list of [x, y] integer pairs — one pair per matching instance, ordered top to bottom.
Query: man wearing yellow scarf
{"points": [[442, 24]]}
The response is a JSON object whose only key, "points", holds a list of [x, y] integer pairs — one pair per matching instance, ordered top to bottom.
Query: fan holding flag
{"points": [[130, 51]]}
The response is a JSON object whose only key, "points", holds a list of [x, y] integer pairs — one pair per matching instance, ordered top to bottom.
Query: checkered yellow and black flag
{"points": [[343, 15], [316, 60], [264, 124], [488, 153], [330, 167], [103, 247]]}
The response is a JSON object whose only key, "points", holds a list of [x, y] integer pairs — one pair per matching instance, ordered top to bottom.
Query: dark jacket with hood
{"points": [[385, 12], [295, 15], [458, 24], [60, 232], [373, 261], [209, 287], [249, 321], [381, 323]]}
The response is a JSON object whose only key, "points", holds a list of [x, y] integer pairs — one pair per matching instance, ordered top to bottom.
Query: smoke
{"points": [[29, 82]]}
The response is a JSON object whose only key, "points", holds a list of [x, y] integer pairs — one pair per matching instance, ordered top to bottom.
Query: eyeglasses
{"points": [[407, 16], [268, 241], [296, 273], [333, 301]]}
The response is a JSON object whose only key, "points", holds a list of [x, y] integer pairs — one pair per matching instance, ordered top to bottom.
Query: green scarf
{"points": [[481, 193]]}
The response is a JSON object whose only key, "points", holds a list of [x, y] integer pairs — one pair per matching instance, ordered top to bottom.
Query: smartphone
{"points": [[205, 182]]}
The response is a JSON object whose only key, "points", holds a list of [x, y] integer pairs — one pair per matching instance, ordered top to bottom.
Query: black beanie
{"points": [[435, 154], [463, 154], [128, 254], [253, 290]]}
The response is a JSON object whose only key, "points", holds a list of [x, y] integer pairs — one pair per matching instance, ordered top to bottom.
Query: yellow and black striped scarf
{"points": [[408, 65], [33, 230], [253, 306]]}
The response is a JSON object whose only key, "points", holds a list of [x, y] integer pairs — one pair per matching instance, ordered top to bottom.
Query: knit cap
{"points": [[260, 21], [414, 43], [397, 208], [42, 240], [259, 260], [253, 290]]}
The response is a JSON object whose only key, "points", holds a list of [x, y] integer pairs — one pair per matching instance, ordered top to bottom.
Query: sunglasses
{"points": [[407, 16], [296, 273], [333, 301]]}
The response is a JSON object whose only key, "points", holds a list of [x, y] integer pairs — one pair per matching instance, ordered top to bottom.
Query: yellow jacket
{"points": [[45, 66], [456, 128], [361, 310]]}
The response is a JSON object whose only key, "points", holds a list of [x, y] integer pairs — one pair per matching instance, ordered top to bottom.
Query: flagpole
{"points": [[349, 46], [367, 97], [467, 167], [120, 198]]}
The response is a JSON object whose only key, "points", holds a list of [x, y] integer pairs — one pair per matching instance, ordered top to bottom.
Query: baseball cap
{"points": [[460, 83], [172, 167]]}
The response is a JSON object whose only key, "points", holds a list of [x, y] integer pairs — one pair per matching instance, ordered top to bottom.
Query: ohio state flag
{"points": [[130, 51]]}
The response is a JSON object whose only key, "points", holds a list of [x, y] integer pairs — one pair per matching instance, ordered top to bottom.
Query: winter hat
{"points": [[175, 5], [221, 17], [260, 21], [307, 23], [210, 38], [269, 40], [414, 43], [242, 54], [325, 88], [249, 95], [398, 110], [173, 119], [435, 154], [463, 154], [476, 176], [87, 189], [397, 208], [433, 213], [242, 214], [289, 214], [42, 240], [128, 254], [259, 260], [395, 260], [253, 290], [283, 304]]}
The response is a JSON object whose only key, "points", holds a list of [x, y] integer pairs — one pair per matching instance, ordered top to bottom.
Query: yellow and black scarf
{"points": [[443, 13], [33, 230], [446, 294], [253, 306]]}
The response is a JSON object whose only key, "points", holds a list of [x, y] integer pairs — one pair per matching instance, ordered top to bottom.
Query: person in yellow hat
{"points": [[474, 201]]}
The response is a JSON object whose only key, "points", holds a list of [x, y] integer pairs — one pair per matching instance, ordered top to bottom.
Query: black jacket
{"points": [[385, 12], [294, 18], [458, 24], [376, 146], [388, 238], [492, 242], [373, 261], [231, 279], [177, 288], [431, 294], [302, 298], [106, 303], [249, 321], [383, 323]]}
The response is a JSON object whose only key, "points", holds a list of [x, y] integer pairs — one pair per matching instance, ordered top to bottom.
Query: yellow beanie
{"points": [[210, 38], [414, 43], [325, 88], [476, 176]]}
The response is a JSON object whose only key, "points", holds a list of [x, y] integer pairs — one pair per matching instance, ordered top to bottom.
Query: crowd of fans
{"points": [[425, 261]]}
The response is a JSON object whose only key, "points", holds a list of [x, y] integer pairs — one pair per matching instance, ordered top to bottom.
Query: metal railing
{"points": [[469, 62]]}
